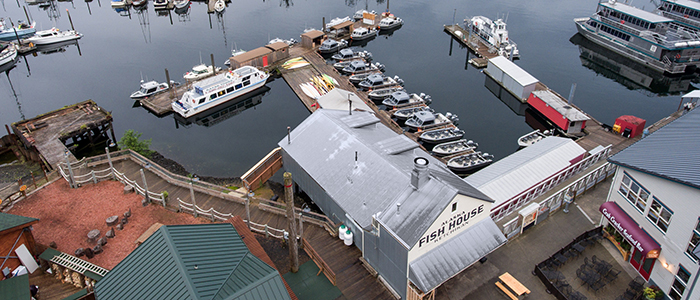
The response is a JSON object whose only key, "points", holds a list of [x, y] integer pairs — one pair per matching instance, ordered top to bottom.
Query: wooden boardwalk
{"points": [[476, 45], [50, 287]]}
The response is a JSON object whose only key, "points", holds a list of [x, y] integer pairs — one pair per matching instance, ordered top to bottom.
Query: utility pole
{"points": [[293, 245]]}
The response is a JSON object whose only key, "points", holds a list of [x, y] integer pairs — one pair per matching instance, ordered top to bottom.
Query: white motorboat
{"points": [[118, 3], [139, 4], [160, 4], [181, 4], [219, 6], [337, 21], [390, 23], [363, 33], [493, 33], [53, 35], [288, 42], [331, 46], [8, 53], [349, 54], [341, 65], [357, 67], [199, 72], [379, 81], [151, 88], [219, 89], [381, 94], [400, 99], [405, 113], [424, 120], [438, 136], [532, 137], [454, 147], [469, 162]]}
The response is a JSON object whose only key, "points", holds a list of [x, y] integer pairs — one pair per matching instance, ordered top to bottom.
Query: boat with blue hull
{"points": [[7, 33], [648, 38], [219, 89]]}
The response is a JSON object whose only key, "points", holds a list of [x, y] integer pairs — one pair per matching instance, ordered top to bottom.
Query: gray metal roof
{"points": [[687, 3], [636, 12], [338, 99], [561, 106], [325, 146], [671, 152], [523, 169], [451, 257], [203, 261]]}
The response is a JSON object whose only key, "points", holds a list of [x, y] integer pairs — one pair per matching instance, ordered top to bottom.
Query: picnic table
{"points": [[511, 286]]}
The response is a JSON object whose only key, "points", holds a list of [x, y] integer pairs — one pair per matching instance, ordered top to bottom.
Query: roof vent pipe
{"points": [[289, 135], [419, 174], [398, 206]]}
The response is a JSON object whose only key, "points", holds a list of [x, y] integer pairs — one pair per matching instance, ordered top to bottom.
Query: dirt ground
{"points": [[66, 216], [279, 253]]}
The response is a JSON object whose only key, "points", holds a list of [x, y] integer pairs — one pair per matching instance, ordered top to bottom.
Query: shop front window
{"points": [[635, 193], [659, 214], [679, 283]]}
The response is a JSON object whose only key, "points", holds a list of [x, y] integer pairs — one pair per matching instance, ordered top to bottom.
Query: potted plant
{"points": [[653, 292]]}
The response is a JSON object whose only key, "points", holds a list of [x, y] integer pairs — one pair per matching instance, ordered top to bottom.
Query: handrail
{"points": [[322, 265]]}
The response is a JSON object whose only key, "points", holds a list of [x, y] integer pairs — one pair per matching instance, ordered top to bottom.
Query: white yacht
{"points": [[390, 23], [363, 33], [493, 33], [53, 35], [219, 89]]}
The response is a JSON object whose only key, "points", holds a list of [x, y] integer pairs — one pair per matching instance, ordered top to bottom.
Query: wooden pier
{"points": [[476, 45], [160, 104], [47, 136]]}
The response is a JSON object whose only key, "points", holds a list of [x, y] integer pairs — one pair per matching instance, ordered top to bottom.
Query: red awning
{"points": [[629, 229]]}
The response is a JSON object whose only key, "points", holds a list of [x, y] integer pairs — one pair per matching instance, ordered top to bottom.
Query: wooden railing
{"points": [[263, 170], [322, 266]]}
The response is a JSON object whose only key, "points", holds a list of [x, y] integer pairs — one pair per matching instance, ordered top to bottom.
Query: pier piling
{"points": [[293, 245]]}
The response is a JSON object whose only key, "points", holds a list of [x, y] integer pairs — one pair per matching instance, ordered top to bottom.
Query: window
{"points": [[635, 193], [454, 207], [659, 214], [694, 239], [679, 284]]}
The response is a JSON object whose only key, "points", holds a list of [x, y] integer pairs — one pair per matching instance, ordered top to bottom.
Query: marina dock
{"points": [[476, 45], [159, 104]]}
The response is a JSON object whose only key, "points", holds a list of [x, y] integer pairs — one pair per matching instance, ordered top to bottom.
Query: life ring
{"points": [[678, 56]]}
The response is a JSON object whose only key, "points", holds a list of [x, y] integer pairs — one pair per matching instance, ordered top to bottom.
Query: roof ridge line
{"points": [[183, 270]]}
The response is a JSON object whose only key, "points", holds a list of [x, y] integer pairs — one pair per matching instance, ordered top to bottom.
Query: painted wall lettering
{"points": [[459, 220]]}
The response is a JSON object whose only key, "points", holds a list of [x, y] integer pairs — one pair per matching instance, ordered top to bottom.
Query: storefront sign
{"points": [[451, 226], [623, 231]]}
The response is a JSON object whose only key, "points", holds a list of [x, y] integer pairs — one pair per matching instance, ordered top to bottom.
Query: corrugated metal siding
{"points": [[671, 152], [523, 169], [392, 259], [440, 264]]}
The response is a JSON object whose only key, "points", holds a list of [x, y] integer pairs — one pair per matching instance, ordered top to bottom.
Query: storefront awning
{"points": [[629, 229], [449, 259]]}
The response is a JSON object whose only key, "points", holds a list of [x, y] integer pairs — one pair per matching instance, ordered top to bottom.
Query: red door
{"points": [[264, 61], [642, 264]]}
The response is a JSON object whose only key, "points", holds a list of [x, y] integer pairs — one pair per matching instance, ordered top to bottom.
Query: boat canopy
{"points": [[635, 12]]}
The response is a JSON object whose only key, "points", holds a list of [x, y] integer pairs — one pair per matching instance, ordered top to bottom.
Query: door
{"points": [[636, 259], [642, 264]]}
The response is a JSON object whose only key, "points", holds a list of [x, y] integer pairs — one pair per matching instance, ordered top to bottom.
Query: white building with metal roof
{"points": [[653, 200], [416, 223]]}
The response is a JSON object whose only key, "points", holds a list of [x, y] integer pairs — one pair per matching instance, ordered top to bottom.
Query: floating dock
{"points": [[476, 44], [160, 104]]}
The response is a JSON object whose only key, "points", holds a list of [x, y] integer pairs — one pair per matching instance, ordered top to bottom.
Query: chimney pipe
{"points": [[289, 135], [419, 175], [398, 207]]}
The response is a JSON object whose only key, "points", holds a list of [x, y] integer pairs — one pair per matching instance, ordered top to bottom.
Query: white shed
{"points": [[513, 78]]}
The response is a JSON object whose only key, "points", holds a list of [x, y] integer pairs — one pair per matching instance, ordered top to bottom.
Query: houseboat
{"points": [[493, 33], [651, 39], [219, 89]]}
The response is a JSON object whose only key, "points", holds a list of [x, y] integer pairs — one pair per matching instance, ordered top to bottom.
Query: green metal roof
{"points": [[8, 221], [204, 261], [15, 287]]}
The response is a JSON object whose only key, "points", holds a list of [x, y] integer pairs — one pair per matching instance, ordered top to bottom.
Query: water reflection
{"points": [[123, 11], [183, 13], [142, 15], [56, 48], [6, 68], [629, 73], [505, 96], [218, 114]]}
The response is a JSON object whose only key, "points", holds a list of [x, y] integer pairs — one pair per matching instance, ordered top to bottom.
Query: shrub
{"points": [[130, 140]]}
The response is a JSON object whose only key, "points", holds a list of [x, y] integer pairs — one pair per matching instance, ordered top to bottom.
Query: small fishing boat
{"points": [[118, 3], [139, 3], [160, 4], [181, 4], [219, 6], [360, 14], [336, 21], [390, 23], [7, 33], [363, 33], [493, 33], [53, 35], [278, 40], [331, 46], [8, 53], [349, 54], [341, 65], [356, 67], [199, 72], [357, 78], [379, 81], [151, 88], [219, 89], [381, 94], [400, 99], [405, 113], [424, 120], [439, 136], [532, 137], [454, 147], [469, 162]]}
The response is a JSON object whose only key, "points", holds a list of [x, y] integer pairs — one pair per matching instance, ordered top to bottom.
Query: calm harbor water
{"points": [[118, 48]]}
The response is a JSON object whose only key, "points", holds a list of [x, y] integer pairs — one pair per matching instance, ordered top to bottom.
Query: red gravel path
{"points": [[66, 216]]}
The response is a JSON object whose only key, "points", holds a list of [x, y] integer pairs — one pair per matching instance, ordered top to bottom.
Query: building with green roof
{"points": [[14, 232], [203, 261]]}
